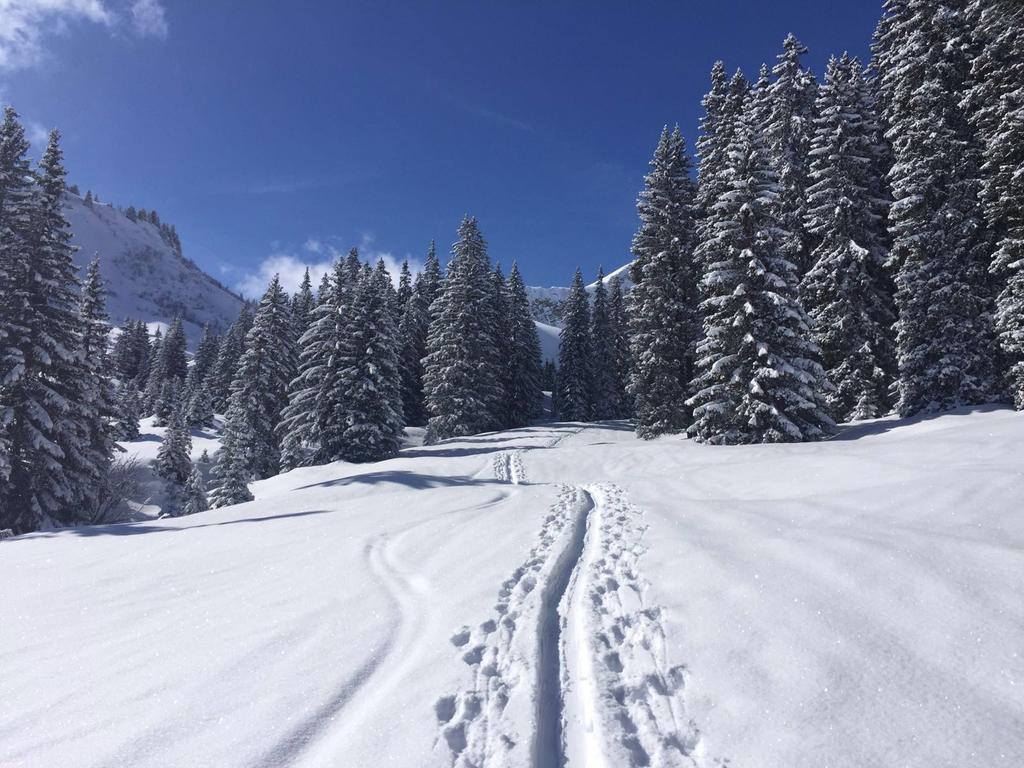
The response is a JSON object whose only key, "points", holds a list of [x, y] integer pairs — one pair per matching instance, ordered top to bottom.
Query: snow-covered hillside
{"points": [[145, 278], [546, 303], [562, 591]]}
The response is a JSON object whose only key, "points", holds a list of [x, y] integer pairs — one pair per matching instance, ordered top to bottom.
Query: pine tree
{"points": [[722, 107], [997, 115], [789, 129], [16, 197], [940, 244], [431, 279], [404, 285], [844, 291], [302, 305], [664, 326], [619, 329], [412, 340], [500, 348], [574, 355], [173, 360], [203, 361], [223, 371], [459, 372], [523, 372], [370, 375], [758, 375], [259, 391], [604, 392], [94, 405], [200, 407], [128, 412], [312, 423], [47, 439], [172, 459], [230, 475], [194, 496]]}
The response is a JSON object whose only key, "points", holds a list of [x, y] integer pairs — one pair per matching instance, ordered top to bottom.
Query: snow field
{"points": [[509, 600]]}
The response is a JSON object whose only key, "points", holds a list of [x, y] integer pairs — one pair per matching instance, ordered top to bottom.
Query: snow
{"points": [[144, 277], [549, 341], [848, 603]]}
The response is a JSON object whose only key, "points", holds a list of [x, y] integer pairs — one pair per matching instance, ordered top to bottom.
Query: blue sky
{"points": [[271, 133]]}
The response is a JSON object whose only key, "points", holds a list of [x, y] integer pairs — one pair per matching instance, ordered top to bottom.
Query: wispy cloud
{"points": [[149, 18], [27, 25], [318, 256]]}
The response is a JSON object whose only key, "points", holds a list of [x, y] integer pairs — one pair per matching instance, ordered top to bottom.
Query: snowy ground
{"points": [[556, 592]]}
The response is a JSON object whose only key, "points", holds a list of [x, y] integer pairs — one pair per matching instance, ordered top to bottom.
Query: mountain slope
{"points": [[146, 279], [547, 303]]}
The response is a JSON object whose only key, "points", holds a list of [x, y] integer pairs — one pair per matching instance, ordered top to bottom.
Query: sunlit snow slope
{"points": [[145, 278], [542, 595]]}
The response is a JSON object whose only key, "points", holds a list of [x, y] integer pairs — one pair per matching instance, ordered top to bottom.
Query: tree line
{"points": [[849, 248]]}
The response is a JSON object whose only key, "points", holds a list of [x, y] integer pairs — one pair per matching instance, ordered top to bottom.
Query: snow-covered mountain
{"points": [[146, 279], [547, 303]]}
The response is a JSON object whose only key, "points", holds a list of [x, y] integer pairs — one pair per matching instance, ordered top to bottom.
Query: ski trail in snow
{"points": [[508, 467], [572, 669], [623, 702], [488, 722], [311, 729]]}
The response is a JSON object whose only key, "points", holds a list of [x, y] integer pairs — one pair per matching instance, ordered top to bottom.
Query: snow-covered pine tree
{"points": [[722, 107], [997, 114], [789, 127], [16, 196], [941, 248], [431, 278], [404, 285], [324, 291], [844, 292], [303, 303], [619, 322], [664, 326], [412, 340], [501, 348], [172, 352], [575, 358], [203, 361], [223, 371], [369, 372], [459, 372], [759, 379], [523, 382], [259, 391], [604, 391], [167, 402], [94, 404], [200, 407], [128, 411], [311, 423], [48, 439], [172, 459], [230, 476], [194, 495], [194, 498]]}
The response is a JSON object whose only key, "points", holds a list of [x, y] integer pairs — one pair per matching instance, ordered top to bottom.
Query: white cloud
{"points": [[149, 19], [25, 25], [37, 134], [290, 267]]}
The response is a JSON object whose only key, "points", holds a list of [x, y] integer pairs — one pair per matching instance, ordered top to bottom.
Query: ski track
{"points": [[508, 467], [571, 669], [318, 737]]}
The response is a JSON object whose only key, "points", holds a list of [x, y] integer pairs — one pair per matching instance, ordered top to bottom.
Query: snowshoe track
{"points": [[617, 640], [574, 648]]}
